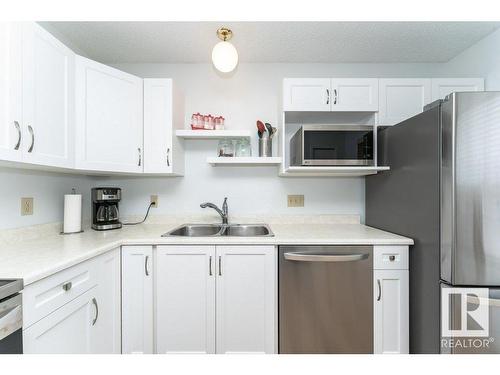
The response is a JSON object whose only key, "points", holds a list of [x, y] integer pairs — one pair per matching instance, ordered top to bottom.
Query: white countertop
{"points": [[40, 256]]}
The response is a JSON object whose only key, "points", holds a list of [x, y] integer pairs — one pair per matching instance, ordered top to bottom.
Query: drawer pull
{"points": [[392, 258], [67, 286], [94, 301]]}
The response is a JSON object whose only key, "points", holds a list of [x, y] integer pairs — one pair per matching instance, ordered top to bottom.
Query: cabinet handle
{"points": [[327, 96], [335, 96], [16, 124], [30, 129], [140, 156], [168, 157], [392, 258], [146, 261], [210, 265], [220, 265], [67, 286], [379, 290], [94, 301]]}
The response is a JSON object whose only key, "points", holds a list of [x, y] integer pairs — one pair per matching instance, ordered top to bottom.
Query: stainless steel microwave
{"points": [[332, 145]]}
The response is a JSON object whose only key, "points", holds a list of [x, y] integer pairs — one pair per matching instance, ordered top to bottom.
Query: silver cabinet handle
{"points": [[327, 96], [335, 96], [16, 124], [30, 129], [140, 156], [168, 157], [311, 256], [392, 258], [146, 262], [210, 265], [220, 265], [67, 286], [379, 290], [94, 301]]}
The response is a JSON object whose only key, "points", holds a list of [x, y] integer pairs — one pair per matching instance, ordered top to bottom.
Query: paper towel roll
{"points": [[72, 213]]}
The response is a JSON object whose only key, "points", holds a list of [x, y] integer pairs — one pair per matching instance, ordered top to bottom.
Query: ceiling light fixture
{"points": [[224, 54]]}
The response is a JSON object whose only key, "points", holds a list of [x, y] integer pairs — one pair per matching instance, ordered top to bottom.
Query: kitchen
{"points": [[213, 199]]}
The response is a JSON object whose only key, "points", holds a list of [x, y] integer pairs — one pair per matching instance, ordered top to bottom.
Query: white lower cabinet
{"points": [[137, 299], [185, 299], [215, 299], [246, 299], [391, 300], [87, 323]]}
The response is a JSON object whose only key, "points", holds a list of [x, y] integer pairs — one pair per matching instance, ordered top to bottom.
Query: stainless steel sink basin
{"points": [[219, 230]]}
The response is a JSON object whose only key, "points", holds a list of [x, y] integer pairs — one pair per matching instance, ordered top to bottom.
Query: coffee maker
{"points": [[105, 213]]}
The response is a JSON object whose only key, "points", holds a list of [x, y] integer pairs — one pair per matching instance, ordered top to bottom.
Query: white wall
{"points": [[481, 60], [48, 191]]}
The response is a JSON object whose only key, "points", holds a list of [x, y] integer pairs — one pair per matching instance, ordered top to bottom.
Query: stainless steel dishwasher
{"points": [[326, 299]]}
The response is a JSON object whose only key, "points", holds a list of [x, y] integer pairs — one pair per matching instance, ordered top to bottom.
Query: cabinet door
{"points": [[441, 87], [307, 94], [355, 94], [402, 98], [48, 99], [108, 118], [158, 126], [11, 145], [137, 299], [185, 299], [246, 299], [391, 311], [68, 330], [106, 337]]}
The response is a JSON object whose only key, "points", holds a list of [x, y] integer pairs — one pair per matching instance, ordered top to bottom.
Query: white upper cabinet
{"points": [[441, 87], [10, 92], [306, 94], [330, 94], [354, 94], [37, 97], [402, 98], [48, 99], [163, 113], [109, 118], [137, 299], [185, 299], [246, 299]]}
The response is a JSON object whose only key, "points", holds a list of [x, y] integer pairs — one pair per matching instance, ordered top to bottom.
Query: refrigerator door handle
{"points": [[311, 256], [491, 302]]}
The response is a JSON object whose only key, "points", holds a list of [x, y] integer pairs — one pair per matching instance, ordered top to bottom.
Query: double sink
{"points": [[221, 230]]}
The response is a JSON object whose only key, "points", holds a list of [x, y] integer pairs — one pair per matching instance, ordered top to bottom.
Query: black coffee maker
{"points": [[105, 213]]}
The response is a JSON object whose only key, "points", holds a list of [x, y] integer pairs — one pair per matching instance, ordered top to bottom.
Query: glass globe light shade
{"points": [[224, 57]]}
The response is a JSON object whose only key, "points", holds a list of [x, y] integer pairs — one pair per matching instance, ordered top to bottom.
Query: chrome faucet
{"points": [[223, 213]]}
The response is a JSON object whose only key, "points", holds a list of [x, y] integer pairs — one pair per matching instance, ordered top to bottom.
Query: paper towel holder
{"points": [[73, 192]]}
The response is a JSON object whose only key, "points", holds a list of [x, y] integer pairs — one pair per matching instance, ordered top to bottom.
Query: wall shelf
{"points": [[212, 134], [244, 161], [331, 171]]}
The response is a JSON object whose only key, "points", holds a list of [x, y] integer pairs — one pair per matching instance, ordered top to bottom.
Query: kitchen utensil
{"points": [[261, 128], [269, 129], [274, 131]]}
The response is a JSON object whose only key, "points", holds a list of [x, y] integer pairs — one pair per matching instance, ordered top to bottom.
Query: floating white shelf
{"points": [[212, 134], [244, 161], [313, 171]]}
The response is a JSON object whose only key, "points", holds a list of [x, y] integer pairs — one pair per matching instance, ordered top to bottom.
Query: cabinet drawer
{"points": [[390, 257], [44, 296]]}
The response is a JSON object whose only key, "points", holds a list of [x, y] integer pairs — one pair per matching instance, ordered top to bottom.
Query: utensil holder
{"points": [[265, 147]]}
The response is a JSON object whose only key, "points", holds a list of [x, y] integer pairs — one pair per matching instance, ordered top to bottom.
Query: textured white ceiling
{"points": [[294, 42]]}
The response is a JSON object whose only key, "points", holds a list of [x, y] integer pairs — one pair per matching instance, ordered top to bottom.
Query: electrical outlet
{"points": [[154, 200], [295, 201], [26, 206]]}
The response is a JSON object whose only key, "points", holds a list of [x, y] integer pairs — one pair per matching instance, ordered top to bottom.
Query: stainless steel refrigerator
{"points": [[443, 190]]}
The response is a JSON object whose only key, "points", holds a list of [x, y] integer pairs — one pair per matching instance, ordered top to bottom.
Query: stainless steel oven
{"points": [[332, 145]]}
